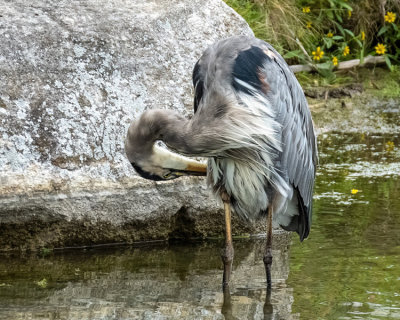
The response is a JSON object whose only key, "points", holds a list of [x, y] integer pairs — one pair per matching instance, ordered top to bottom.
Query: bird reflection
{"points": [[268, 307], [226, 309]]}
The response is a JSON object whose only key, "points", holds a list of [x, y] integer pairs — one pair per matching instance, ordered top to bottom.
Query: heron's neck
{"points": [[169, 127], [177, 133]]}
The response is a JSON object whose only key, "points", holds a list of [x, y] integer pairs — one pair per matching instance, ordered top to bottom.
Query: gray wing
{"points": [[257, 63], [299, 155]]}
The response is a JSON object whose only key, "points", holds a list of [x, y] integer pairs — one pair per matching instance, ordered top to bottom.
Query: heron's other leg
{"points": [[268, 249], [227, 252]]}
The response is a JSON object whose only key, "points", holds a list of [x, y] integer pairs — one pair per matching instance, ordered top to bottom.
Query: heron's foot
{"points": [[227, 258], [268, 264]]}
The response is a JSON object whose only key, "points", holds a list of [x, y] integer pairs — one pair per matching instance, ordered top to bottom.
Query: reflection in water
{"points": [[347, 269], [180, 281], [268, 306], [227, 310]]}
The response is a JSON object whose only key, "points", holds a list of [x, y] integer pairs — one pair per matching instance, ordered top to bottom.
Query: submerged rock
{"points": [[72, 77]]}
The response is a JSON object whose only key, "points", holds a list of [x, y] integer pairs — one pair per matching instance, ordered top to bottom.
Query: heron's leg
{"points": [[268, 249], [227, 252]]}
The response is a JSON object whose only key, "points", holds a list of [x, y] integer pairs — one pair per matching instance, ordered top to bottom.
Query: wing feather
{"points": [[198, 84], [299, 148]]}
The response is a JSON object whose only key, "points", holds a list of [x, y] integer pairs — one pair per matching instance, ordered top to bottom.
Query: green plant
{"points": [[254, 14], [325, 32], [388, 38], [44, 252], [42, 283]]}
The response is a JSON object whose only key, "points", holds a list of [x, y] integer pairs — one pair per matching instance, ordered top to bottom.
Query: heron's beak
{"points": [[192, 169], [197, 169]]}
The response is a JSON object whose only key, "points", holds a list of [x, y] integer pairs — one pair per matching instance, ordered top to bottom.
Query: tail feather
{"points": [[300, 223]]}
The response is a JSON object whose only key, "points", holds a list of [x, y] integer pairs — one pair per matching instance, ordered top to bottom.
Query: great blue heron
{"points": [[252, 121]]}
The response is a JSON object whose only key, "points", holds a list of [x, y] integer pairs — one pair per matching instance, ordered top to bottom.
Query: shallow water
{"points": [[349, 268]]}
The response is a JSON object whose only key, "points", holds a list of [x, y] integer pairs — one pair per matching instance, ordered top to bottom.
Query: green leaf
{"points": [[345, 5], [339, 17], [340, 28], [382, 30], [349, 32], [337, 37], [328, 42], [359, 42], [291, 54], [362, 56], [394, 58], [389, 64], [324, 66]]}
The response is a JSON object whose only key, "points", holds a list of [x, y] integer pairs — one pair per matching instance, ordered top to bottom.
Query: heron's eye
{"points": [[167, 175]]}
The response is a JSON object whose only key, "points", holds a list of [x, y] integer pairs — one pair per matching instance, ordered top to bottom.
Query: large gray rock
{"points": [[73, 74]]}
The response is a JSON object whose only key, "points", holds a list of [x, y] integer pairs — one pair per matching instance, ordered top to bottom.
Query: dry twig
{"points": [[369, 60]]}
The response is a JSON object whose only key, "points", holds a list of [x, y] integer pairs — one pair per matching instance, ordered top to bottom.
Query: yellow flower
{"points": [[306, 9], [349, 13], [390, 17], [309, 23], [329, 35], [362, 35], [380, 48], [346, 50], [317, 54], [335, 61], [389, 146], [354, 191]]}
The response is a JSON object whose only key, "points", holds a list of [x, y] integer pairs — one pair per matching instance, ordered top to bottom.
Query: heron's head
{"points": [[153, 162], [162, 164]]}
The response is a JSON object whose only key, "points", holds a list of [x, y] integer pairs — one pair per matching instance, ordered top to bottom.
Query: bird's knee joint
{"points": [[225, 197], [227, 254], [268, 257]]}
